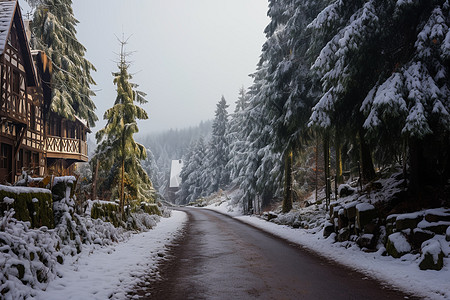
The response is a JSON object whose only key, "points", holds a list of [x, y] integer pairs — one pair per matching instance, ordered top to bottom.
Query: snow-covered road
{"points": [[222, 258], [110, 272], [402, 273]]}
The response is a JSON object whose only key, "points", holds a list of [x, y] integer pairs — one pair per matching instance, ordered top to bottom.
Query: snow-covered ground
{"points": [[110, 272], [401, 273]]}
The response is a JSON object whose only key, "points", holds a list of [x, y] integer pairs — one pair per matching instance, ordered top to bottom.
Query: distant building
{"points": [[174, 179]]}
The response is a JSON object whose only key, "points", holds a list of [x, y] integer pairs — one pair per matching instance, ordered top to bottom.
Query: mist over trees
{"points": [[341, 86], [166, 146]]}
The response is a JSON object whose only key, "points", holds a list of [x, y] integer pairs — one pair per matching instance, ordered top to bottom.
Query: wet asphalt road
{"points": [[221, 258]]}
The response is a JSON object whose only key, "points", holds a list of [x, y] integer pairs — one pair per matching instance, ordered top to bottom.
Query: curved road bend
{"points": [[221, 258]]}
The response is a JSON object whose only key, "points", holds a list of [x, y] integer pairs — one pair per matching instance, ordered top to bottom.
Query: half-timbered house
{"points": [[21, 119], [32, 137]]}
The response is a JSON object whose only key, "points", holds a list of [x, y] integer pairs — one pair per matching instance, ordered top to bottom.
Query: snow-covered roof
{"points": [[7, 9], [9, 13], [83, 122], [175, 170]]}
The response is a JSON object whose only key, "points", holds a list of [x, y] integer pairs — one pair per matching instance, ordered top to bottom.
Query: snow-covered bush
{"points": [[30, 204], [28, 257]]}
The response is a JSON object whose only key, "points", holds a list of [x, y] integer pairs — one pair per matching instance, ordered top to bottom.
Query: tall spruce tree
{"points": [[54, 32], [345, 50], [411, 102], [236, 137], [116, 142], [216, 174], [192, 185]]}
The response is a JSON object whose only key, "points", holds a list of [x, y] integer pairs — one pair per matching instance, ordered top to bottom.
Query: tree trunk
{"points": [[338, 149], [326, 155], [317, 165], [416, 168], [367, 169], [94, 181], [122, 187], [287, 200]]}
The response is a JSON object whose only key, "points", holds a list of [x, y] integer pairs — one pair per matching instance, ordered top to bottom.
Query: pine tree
{"points": [[54, 32], [384, 67], [411, 103], [235, 136], [116, 141], [151, 168], [260, 169], [216, 175], [192, 185]]}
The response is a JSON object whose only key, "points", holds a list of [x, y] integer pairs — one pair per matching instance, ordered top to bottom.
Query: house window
{"points": [[16, 82], [32, 117], [5, 156], [27, 160], [20, 161], [5, 163], [35, 164]]}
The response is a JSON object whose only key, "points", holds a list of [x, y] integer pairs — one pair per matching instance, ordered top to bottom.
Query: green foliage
{"points": [[54, 32], [119, 154], [151, 209], [108, 212], [38, 213]]}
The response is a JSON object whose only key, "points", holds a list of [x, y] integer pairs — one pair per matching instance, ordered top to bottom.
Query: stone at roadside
{"points": [[345, 190], [350, 210], [365, 214], [437, 214], [270, 215], [342, 219], [408, 221], [390, 224], [436, 227], [370, 228], [328, 229], [344, 235], [447, 235], [419, 236], [366, 241], [397, 245], [432, 256]]}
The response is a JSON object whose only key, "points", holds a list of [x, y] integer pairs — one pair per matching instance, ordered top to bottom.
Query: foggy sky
{"points": [[188, 53]]}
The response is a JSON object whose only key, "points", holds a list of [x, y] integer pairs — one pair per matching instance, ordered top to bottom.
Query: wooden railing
{"points": [[66, 145]]}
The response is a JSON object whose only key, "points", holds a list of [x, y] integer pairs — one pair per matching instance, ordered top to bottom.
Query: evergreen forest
{"points": [[343, 89]]}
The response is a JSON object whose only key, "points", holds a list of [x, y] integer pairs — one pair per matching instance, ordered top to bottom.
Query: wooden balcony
{"points": [[66, 148]]}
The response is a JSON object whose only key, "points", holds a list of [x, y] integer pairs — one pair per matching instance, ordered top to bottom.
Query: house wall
{"points": [[21, 118]]}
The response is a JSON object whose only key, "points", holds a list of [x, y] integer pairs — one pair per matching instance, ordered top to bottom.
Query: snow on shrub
{"points": [[28, 257]]}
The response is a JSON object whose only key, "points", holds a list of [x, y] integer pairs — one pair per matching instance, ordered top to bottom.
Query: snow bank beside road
{"points": [[111, 271], [399, 273]]}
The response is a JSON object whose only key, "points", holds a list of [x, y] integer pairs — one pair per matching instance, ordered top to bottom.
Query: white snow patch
{"points": [[68, 179], [23, 189], [8, 200], [364, 207], [400, 242], [432, 247], [112, 271]]}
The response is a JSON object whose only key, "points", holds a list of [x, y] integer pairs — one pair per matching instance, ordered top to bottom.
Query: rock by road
{"points": [[219, 257]]}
